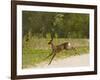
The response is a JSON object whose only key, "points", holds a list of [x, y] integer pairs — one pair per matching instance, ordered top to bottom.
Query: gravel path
{"points": [[73, 61]]}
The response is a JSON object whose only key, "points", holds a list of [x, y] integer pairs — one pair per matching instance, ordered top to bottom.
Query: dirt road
{"points": [[73, 61]]}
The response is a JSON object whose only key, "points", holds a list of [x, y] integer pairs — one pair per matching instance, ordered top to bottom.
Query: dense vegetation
{"points": [[61, 25], [39, 27]]}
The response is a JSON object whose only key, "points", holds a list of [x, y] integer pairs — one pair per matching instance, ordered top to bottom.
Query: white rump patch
{"points": [[69, 44]]}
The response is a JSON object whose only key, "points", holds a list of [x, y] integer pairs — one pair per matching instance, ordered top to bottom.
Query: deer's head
{"points": [[50, 42]]}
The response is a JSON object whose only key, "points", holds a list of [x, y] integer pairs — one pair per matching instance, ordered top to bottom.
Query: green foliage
{"points": [[62, 25], [39, 27], [48, 36]]}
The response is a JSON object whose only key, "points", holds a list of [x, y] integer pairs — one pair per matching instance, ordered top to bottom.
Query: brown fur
{"points": [[56, 49]]}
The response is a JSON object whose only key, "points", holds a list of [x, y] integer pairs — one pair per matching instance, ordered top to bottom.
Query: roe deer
{"points": [[56, 49]]}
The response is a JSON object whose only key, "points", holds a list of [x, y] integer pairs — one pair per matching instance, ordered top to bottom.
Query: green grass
{"points": [[36, 50]]}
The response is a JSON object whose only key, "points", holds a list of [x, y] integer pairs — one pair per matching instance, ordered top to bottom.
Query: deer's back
{"points": [[62, 46]]}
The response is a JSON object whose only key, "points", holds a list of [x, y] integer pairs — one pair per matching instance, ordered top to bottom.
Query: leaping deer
{"points": [[58, 48]]}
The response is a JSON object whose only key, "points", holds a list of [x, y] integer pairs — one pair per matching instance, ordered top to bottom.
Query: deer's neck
{"points": [[52, 46]]}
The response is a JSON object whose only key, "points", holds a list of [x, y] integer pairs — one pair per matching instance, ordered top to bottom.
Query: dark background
{"points": [[60, 25]]}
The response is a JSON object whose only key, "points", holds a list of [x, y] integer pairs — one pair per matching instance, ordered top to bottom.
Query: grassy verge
{"points": [[34, 54]]}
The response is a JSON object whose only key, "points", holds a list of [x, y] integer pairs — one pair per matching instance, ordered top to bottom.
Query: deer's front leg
{"points": [[49, 55], [52, 59]]}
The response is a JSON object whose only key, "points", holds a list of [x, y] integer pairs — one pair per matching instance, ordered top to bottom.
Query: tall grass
{"points": [[37, 49]]}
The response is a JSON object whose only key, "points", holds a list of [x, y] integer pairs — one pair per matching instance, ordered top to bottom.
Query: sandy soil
{"points": [[73, 61]]}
